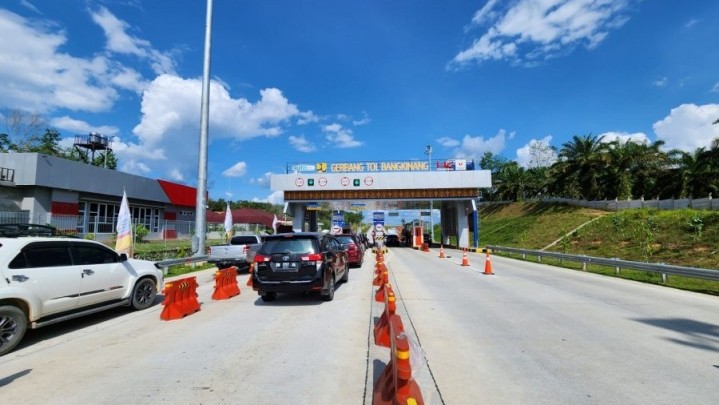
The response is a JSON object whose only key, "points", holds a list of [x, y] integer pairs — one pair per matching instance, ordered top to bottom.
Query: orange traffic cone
{"points": [[441, 252], [465, 260], [488, 266], [252, 269]]}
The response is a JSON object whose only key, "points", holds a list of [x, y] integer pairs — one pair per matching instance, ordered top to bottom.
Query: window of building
{"points": [[96, 217]]}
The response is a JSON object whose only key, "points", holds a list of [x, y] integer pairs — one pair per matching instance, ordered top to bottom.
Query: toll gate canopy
{"points": [[455, 183]]}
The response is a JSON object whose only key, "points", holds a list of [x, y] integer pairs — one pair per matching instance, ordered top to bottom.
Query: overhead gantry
{"points": [[453, 184]]}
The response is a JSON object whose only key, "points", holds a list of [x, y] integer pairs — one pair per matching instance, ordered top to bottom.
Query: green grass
{"points": [[529, 225], [680, 237]]}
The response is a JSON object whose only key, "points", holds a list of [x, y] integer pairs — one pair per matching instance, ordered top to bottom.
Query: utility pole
{"points": [[428, 152], [198, 241]]}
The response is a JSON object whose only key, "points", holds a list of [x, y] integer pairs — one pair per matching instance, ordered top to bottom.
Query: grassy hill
{"points": [[680, 237]]}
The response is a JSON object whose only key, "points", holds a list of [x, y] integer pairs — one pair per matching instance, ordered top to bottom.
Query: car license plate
{"points": [[286, 266]]}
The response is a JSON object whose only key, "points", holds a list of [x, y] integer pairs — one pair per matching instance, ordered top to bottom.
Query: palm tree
{"points": [[582, 163], [693, 174], [511, 182]]}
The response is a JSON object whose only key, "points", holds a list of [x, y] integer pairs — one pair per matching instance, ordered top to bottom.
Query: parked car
{"points": [[355, 248], [237, 253], [300, 262], [46, 278]]}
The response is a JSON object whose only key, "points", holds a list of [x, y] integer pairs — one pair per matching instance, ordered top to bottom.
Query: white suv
{"points": [[47, 279]]}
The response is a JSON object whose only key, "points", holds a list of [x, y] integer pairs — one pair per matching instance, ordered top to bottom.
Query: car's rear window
{"points": [[345, 239], [243, 240], [293, 245]]}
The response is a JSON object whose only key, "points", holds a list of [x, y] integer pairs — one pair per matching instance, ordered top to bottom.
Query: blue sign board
{"points": [[378, 218], [338, 222]]}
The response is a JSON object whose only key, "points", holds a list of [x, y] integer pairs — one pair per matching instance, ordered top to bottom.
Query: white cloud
{"points": [[29, 6], [485, 13], [691, 23], [528, 31], [120, 41], [36, 76], [130, 79], [661, 82], [171, 117], [306, 117], [364, 121], [688, 126], [81, 127], [340, 137], [624, 137], [448, 142], [300, 144], [475, 146], [537, 153], [239, 169], [176, 175], [263, 181], [276, 197]]}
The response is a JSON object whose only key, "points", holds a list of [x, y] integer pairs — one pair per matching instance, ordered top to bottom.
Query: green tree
{"points": [[6, 144], [47, 144], [582, 163], [494, 164], [511, 182], [353, 219]]}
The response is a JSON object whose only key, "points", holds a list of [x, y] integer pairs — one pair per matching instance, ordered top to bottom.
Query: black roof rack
{"points": [[15, 230]]}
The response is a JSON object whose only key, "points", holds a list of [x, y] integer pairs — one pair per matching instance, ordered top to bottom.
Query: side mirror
{"points": [[123, 257]]}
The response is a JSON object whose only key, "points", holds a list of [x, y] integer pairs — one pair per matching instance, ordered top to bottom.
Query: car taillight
{"points": [[352, 247], [313, 257], [261, 259]]}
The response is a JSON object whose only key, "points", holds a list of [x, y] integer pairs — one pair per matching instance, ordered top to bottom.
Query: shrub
{"points": [[140, 232]]}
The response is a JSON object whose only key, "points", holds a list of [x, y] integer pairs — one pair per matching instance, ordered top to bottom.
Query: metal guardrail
{"points": [[165, 264], [663, 269]]}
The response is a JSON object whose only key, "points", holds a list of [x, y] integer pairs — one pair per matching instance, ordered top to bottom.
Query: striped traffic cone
{"points": [[441, 252], [465, 260], [488, 266]]}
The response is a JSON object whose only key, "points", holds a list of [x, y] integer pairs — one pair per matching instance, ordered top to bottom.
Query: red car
{"points": [[355, 249]]}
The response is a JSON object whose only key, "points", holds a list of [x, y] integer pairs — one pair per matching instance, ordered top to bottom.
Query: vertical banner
{"points": [[228, 222], [275, 222], [124, 228]]}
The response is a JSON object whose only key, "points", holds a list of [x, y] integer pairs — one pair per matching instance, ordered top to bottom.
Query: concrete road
{"points": [[530, 334], [535, 334], [297, 350]]}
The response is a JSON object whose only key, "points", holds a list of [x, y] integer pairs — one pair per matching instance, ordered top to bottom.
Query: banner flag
{"points": [[228, 222], [275, 222], [124, 228]]}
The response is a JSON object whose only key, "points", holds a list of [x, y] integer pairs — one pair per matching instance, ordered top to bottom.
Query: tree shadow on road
{"points": [[699, 335]]}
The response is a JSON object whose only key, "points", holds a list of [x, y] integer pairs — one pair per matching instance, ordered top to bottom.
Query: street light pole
{"points": [[428, 152], [198, 241]]}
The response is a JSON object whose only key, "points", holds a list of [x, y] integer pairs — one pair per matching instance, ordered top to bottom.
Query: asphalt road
{"points": [[530, 334], [535, 334]]}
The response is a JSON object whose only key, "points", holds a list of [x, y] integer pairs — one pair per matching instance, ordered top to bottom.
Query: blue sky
{"points": [[327, 80]]}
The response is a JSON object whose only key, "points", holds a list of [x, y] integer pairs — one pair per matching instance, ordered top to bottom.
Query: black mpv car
{"points": [[299, 262]]}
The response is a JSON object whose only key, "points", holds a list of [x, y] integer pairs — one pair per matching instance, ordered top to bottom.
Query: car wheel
{"points": [[346, 276], [330, 294], [143, 295], [269, 296], [13, 324]]}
